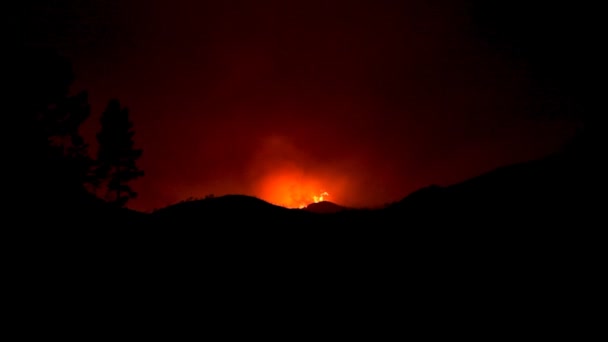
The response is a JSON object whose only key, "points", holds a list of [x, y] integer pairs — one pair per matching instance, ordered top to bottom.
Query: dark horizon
{"points": [[367, 101]]}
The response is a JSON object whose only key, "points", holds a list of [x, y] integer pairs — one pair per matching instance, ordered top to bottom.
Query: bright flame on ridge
{"points": [[320, 198]]}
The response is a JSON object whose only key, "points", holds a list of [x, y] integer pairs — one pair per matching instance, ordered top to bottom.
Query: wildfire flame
{"points": [[291, 190], [320, 198], [316, 199]]}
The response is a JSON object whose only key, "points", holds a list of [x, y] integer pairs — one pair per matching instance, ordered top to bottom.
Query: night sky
{"points": [[284, 100]]}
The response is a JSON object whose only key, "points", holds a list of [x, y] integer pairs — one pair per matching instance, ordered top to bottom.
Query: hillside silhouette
{"points": [[548, 190], [532, 197], [324, 207], [229, 210]]}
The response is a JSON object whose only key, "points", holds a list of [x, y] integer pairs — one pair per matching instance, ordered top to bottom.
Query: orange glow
{"points": [[291, 190], [320, 198]]}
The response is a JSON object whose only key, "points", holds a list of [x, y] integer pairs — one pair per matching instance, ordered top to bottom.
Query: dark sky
{"points": [[284, 100]]}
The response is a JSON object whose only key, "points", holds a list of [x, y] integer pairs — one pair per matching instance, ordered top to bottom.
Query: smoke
{"points": [[286, 175]]}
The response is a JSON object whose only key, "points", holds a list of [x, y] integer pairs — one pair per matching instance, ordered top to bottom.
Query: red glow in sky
{"points": [[284, 100]]}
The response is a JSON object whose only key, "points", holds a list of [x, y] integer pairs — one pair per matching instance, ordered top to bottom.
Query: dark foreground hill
{"points": [[548, 191], [546, 194], [540, 197], [324, 207], [534, 212], [516, 242]]}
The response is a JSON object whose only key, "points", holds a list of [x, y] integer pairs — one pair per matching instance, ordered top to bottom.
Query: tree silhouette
{"points": [[65, 142], [55, 156], [116, 157]]}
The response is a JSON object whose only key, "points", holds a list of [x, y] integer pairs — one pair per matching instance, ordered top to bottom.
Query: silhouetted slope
{"points": [[551, 189], [543, 192], [236, 203], [218, 206], [324, 207], [233, 210], [435, 249]]}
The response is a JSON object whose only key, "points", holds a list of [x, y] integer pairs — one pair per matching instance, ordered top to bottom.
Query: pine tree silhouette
{"points": [[66, 143], [54, 155], [116, 157]]}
